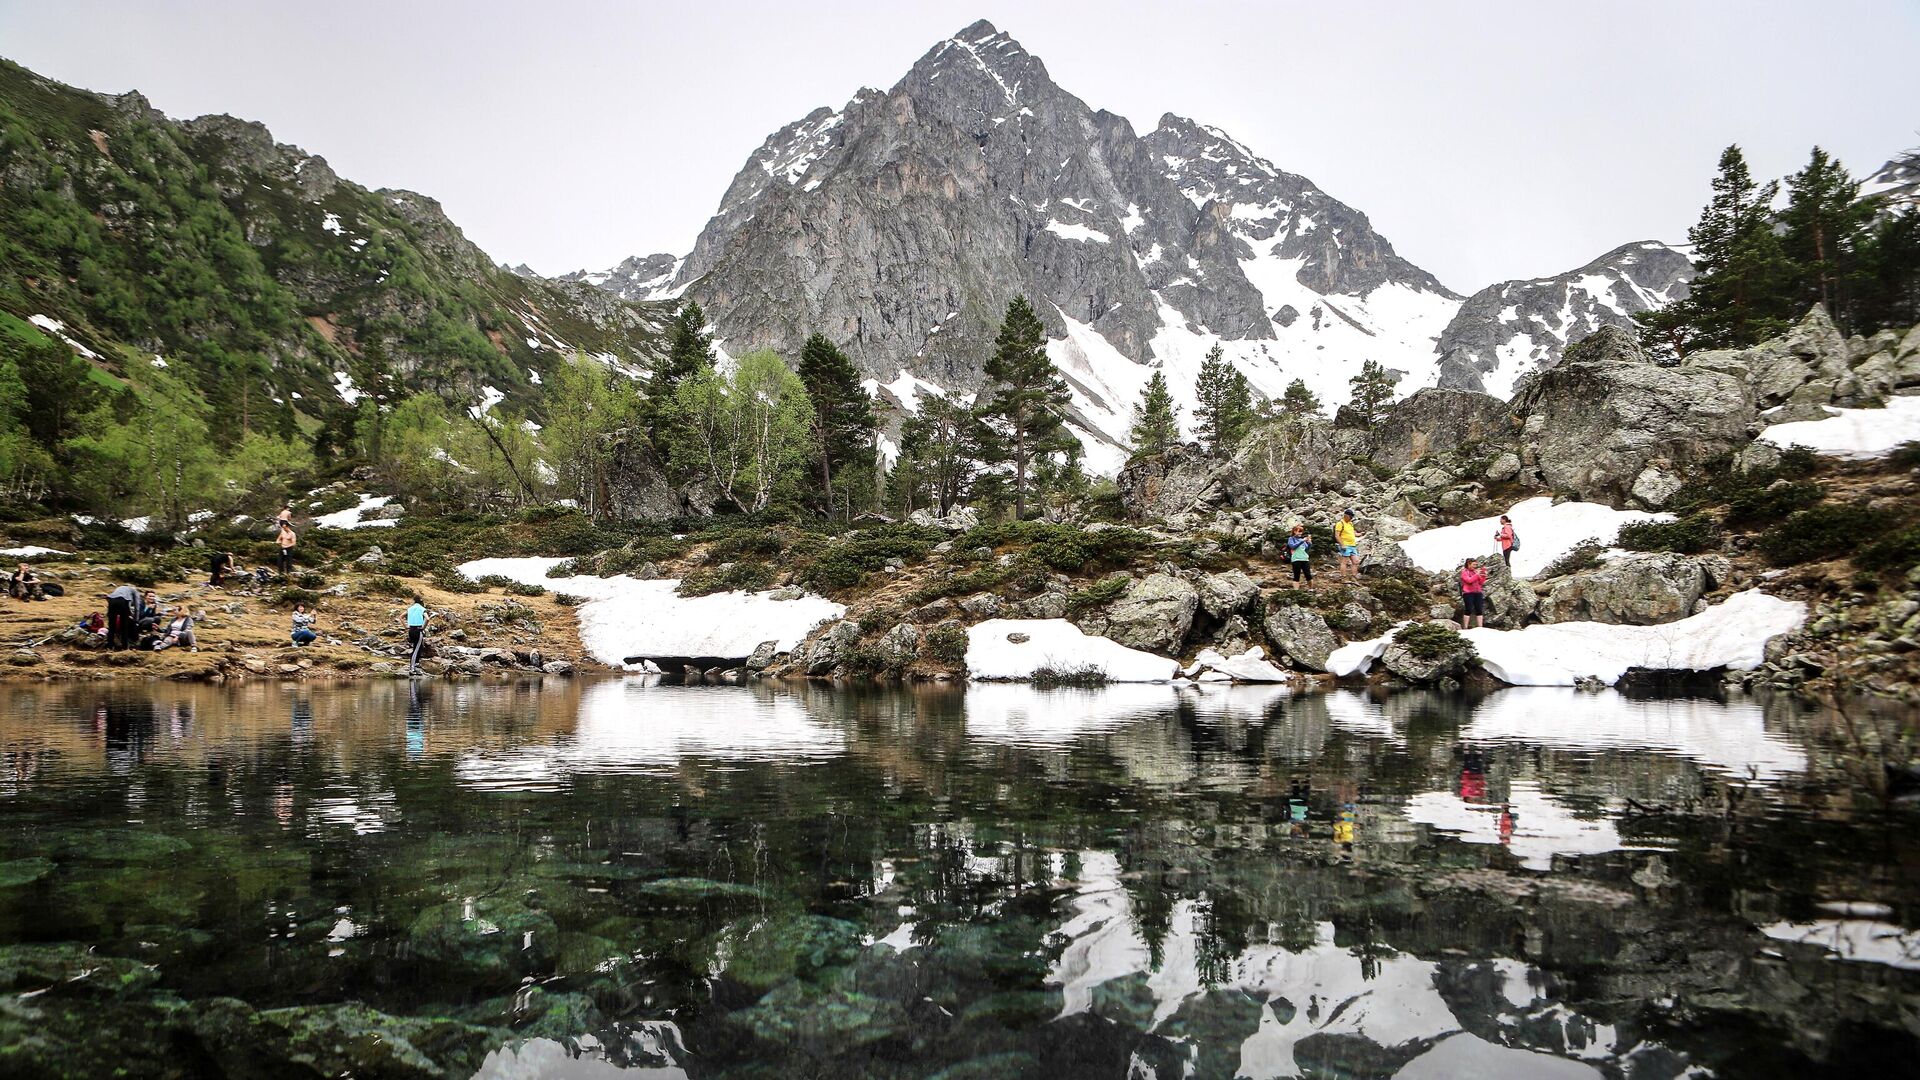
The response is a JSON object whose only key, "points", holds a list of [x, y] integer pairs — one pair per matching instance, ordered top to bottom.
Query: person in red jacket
{"points": [[1505, 536], [1473, 591]]}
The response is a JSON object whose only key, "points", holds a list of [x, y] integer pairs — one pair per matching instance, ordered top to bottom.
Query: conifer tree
{"points": [[1825, 221], [1887, 284], [1739, 292], [689, 351], [1372, 393], [1300, 401], [1225, 408], [1026, 409], [843, 420], [1156, 424], [939, 456]]}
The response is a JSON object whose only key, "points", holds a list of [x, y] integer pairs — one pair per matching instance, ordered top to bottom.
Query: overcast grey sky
{"points": [[1486, 140]]}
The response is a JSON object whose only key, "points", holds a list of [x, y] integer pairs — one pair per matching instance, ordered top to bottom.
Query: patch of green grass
{"points": [[1084, 677]]}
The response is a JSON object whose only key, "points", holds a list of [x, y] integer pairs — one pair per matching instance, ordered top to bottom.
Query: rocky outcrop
{"points": [[1511, 328], [1886, 362], [1806, 366], [1603, 417], [1434, 421], [637, 486], [1635, 589], [1228, 594], [1154, 614], [1301, 634], [1425, 668]]}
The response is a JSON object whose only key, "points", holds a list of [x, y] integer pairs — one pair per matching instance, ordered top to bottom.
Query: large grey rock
{"points": [[1550, 312], [1806, 364], [1433, 421], [1596, 422], [1180, 481], [960, 520], [1642, 589], [1226, 594], [1511, 603], [1154, 614], [1301, 634], [900, 646], [828, 650], [763, 656], [1401, 661]]}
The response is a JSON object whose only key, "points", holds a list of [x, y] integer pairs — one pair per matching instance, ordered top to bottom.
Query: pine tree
{"points": [[1825, 222], [1887, 285], [1739, 293], [689, 350], [1372, 393], [1300, 401], [1225, 409], [1025, 415], [843, 420], [1156, 424], [939, 456]]}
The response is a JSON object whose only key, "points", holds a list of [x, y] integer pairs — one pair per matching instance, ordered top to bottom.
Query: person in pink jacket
{"points": [[1506, 538], [1473, 591]]}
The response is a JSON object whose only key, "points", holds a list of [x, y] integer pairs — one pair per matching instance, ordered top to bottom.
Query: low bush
{"points": [[1905, 456], [1757, 505], [1822, 532], [1689, 535], [1068, 548], [1898, 551], [1584, 555], [846, 562], [143, 576], [733, 577], [979, 579], [448, 581], [386, 585], [517, 588], [1400, 592], [1100, 593], [286, 598], [568, 599], [877, 620], [1431, 641], [947, 645], [1084, 677]]}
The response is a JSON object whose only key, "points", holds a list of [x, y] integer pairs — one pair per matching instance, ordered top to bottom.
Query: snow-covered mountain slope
{"points": [[1897, 183], [639, 277], [1507, 329]]}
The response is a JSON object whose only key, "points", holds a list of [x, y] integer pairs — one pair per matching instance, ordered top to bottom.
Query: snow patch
{"points": [[1078, 232], [59, 329], [343, 385], [1853, 433], [354, 517], [1547, 530], [29, 551], [1014, 649]]}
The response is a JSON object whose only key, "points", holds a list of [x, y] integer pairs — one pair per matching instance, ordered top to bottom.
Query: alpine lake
{"points": [[624, 878]]}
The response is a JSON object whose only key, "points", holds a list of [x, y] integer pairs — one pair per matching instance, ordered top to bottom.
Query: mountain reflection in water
{"points": [[621, 878]]}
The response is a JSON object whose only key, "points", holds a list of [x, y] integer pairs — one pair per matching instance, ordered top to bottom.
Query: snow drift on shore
{"points": [[1853, 433], [353, 517], [1546, 530], [624, 616], [1732, 635], [1057, 644]]}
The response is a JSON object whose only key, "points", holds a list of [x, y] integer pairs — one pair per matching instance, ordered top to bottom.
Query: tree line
{"points": [[1759, 266]]}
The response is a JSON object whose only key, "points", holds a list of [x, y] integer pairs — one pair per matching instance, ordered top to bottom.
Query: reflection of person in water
{"points": [[302, 720], [416, 722], [1473, 777], [1297, 809], [1506, 823]]}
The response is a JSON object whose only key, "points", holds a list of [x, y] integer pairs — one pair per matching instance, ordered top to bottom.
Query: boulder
{"points": [[1805, 364], [1601, 417], [1433, 421], [1504, 467], [1179, 481], [959, 520], [1640, 589], [1225, 594], [1511, 603], [1154, 614], [1301, 634], [900, 646], [825, 652], [763, 656], [1451, 664], [557, 667]]}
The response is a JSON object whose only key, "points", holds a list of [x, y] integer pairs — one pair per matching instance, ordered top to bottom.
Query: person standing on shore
{"points": [[287, 539], [1508, 540], [1346, 542], [1300, 554], [1473, 594], [121, 628], [416, 629]]}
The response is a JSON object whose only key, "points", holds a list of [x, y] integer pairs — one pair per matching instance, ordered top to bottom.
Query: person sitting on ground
{"points": [[1508, 540], [286, 541], [1346, 541], [1300, 554], [24, 584], [1473, 593], [148, 614], [93, 623], [177, 631], [303, 633]]}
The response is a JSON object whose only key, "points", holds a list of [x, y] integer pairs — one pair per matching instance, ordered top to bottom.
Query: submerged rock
{"points": [[488, 936]]}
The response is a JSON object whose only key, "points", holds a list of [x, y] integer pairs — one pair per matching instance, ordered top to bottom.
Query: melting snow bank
{"points": [[1853, 433], [354, 517], [1547, 530], [31, 551], [624, 616], [1733, 634], [1014, 649], [1866, 941]]}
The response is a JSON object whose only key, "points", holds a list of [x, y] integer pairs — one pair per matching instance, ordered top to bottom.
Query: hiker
{"points": [[285, 520], [1346, 540], [1509, 540], [286, 541], [1299, 552], [223, 565], [24, 584], [1473, 592], [148, 613], [416, 627], [121, 629], [177, 631], [303, 633]]}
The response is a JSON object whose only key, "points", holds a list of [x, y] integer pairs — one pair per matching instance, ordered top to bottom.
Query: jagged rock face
{"points": [[640, 277], [1510, 328], [1806, 367], [1599, 420], [1434, 421], [1634, 590], [1154, 614]]}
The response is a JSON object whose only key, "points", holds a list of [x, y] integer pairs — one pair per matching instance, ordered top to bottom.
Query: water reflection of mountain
{"points": [[1154, 881]]}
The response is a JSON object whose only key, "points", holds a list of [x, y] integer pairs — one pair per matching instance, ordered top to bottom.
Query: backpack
{"points": [[1515, 546]]}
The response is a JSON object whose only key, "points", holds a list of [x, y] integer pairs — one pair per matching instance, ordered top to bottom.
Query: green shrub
{"points": [[1905, 456], [1772, 503], [1821, 532], [1689, 535], [746, 543], [1068, 548], [1898, 551], [1584, 555], [846, 562], [142, 576], [733, 577], [310, 579], [979, 579], [449, 581], [386, 585], [516, 588], [1100, 593], [1398, 594], [286, 598], [568, 599], [878, 620], [1431, 641], [948, 645], [1085, 677]]}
